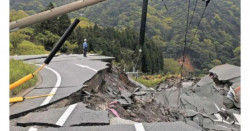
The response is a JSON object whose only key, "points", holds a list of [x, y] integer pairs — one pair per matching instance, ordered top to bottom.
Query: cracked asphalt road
{"points": [[68, 75], [63, 76]]}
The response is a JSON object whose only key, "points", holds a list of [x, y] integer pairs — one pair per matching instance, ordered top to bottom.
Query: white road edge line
{"points": [[84, 66], [53, 91], [65, 115], [139, 127], [32, 129]]}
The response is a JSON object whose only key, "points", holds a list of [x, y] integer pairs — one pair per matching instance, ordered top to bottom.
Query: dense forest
{"points": [[217, 40], [122, 44]]}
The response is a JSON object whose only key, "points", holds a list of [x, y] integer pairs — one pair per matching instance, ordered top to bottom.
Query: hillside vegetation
{"points": [[217, 40], [122, 44], [18, 69]]}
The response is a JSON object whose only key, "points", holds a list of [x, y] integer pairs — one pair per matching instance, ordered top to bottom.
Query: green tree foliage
{"points": [[15, 15], [64, 24], [51, 25], [56, 25], [47, 33], [16, 38], [217, 38], [47, 39], [123, 45], [28, 48], [69, 48], [236, 59], [152, 60], [216, 62], [171, 66], [19, 69]]}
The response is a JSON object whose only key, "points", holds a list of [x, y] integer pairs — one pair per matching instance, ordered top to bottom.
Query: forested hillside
{"points": [[217, 40], [122, 44]]}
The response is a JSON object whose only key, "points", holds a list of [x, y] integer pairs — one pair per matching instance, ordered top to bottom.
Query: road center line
{"points": [[84, 66], [53, 91], [65, 115], [139, 127]]}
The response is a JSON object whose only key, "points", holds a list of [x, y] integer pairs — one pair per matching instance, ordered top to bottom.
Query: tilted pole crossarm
{"points": [[40, 17]]}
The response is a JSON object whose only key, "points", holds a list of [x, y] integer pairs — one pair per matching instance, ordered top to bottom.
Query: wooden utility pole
{"points": [[40, 17], [143, 22]]}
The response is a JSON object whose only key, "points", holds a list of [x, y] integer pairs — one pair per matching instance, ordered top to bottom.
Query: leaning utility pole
{"points": [[40, 17], [143, 22], [142, 28]]}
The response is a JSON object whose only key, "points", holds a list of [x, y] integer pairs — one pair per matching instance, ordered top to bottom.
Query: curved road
{"points": [[63, 76]]}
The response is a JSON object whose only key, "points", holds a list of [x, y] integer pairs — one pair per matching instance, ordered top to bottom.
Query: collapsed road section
{"points": [[62, 77], [109, 100]]}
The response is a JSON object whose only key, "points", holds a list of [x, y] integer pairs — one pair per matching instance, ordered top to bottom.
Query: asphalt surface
{"points": [[67, 74], [63, 76], [78, 114], [160, 126]]}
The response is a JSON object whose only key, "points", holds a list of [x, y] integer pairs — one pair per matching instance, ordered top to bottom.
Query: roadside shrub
{"points": [[29, 48], [171, 66], [18, 69], [153, 80]]}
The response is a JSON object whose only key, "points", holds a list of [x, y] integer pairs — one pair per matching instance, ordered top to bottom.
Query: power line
{"points": [[207, 2], [165, 5], [193, 12], [184, 49], [185, 52]]}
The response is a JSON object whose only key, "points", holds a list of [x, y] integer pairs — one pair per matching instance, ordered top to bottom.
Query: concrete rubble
{"points": [[212, 103], [201, 104]]}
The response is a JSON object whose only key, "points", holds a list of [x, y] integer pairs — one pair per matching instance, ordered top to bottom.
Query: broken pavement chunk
{"points": [[226, 71], [205, 80], [187, 84], [161, 86], [140, 93], [126, 95], [169, 97], [123, 102], [228, 103], [202, 104], [190, 113], [80, 115], [84, 116], [198, 119], [118, 120], [193, 124], [209, 124], [160, 126], [169, 126]]}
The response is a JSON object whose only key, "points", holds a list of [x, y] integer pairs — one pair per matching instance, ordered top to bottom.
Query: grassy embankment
{"points": [[28, 48], [171, 68], [19, 69], [153, 80]]}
